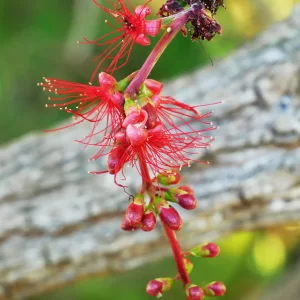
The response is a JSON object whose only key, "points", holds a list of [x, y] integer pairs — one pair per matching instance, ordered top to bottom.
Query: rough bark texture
{"points": [[59, 224]]}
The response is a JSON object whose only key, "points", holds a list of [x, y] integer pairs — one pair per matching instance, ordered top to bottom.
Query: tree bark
{"points": [[59, 224]]}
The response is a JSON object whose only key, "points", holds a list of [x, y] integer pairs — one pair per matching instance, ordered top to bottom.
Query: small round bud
{"points": [[169, 177], [187, 201], [170, 217], [149, 221], [209, 250], [158, 286], [215, 288], [194, 292]]}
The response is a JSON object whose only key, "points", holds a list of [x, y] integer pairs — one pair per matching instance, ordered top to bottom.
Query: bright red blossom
{"points": [[131, 28], [100, 105]]}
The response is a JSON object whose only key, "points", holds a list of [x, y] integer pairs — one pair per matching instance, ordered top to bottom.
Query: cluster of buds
{"points": [[133, 124], [158, 286]]}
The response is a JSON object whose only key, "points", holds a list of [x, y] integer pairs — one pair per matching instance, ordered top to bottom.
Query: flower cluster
{"points": [[134, 124]]}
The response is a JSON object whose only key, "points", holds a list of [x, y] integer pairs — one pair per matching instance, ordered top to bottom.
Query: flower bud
{"points": [[169, 177], [184, 196], [187, 201], [134, 213], [170, 217], [148, 221], [209, 250], [188, 265], [158, 286], [215, 288], [194, 292]]}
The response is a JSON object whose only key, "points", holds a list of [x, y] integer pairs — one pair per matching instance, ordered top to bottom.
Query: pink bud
{"points": [[142, 11], [152, 27], [143, 40], [106, 80], [154, 86], [136, 135], [114, 158], [187, 201], [134, 212], [170, 217], [148, 221], [209, 250], [158, 286], [154, 288], [215, 288], [194, 292]]}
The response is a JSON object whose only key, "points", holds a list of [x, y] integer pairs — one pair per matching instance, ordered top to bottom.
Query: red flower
{"points": [[132, 28], [93, 104], [158, 148]]}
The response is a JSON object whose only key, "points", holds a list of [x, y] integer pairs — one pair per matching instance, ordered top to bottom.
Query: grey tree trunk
{"points": [[59, 224]]}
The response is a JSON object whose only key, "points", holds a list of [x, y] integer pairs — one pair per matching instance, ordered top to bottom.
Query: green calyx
{"points": [[130, 105], [139, 199]]}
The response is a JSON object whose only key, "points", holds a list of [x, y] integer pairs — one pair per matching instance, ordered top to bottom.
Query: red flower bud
{"points": [[169, 177], [183, 195], [187, 201], [134, 213], [170, 217], [148, 221], [209, 250], [158, 286], [215, 288], [194, 292]]}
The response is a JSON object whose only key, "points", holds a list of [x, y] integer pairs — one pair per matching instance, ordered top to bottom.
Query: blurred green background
{"points": [[38, 38]]}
